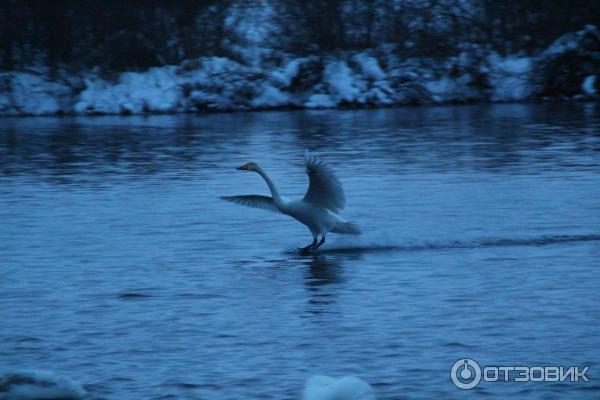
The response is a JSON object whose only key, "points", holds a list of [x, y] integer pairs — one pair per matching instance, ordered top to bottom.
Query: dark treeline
{"points": [[431, 27], [113, 34], [119, 35]]}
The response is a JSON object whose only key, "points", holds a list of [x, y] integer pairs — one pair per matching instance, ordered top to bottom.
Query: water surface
{"points": [[121, 268]]}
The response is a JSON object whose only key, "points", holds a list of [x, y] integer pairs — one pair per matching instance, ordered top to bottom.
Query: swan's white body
{"points": [[319, 208], [33, 384], [321, 387]]}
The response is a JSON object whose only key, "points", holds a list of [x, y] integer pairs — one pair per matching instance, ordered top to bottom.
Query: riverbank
{"points": [[568, 68]]}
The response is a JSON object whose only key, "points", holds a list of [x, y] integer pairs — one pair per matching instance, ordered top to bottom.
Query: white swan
{"points": [[319, 208], [36, 385], [321, 387]]}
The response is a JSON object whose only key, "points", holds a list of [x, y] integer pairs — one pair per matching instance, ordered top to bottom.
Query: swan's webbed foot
{"points": [[310, 248]]}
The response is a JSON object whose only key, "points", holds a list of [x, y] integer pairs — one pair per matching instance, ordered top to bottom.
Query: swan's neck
{"points": [[272, 188]]}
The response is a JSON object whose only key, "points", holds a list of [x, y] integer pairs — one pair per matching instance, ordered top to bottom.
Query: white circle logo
{"points": [[465, 373]]}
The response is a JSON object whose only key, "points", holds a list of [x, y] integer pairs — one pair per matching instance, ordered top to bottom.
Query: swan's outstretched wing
{"points": [[324, 188], [254, 200]]}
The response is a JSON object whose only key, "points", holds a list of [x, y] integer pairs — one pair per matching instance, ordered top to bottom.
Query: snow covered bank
{"points": [[569, 67]]}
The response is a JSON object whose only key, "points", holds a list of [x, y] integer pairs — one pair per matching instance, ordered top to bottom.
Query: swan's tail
{"points": [[347, 228]]}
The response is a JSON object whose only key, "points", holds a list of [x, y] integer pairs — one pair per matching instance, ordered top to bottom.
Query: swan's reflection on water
{"points": [[322, 270], [324, 278]]}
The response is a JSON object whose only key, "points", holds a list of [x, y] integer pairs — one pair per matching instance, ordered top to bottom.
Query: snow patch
{"points": [[571, 41], [369, 67], [288, 73], [510, 78], [341, 81], [589, 85], [440, 88], [155, 90], [31, 94], [271, 97], [320, 101]]}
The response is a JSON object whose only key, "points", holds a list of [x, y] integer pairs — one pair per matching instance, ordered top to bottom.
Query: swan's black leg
{"points": [[321, 242], [311, 246]]}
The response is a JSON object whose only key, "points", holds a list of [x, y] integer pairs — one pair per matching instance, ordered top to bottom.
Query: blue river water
{"points": [[122, 269]]}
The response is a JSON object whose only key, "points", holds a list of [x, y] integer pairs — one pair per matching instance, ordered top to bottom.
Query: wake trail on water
{"points": [[384, 243]]}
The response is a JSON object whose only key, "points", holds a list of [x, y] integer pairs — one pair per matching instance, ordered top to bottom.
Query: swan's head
{"points": [[250, 166]]}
